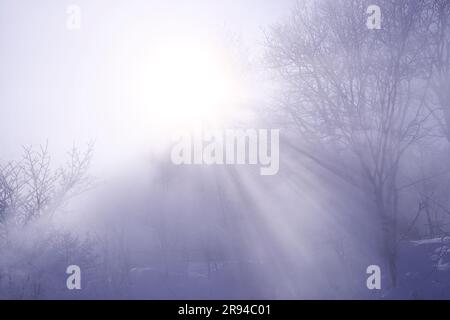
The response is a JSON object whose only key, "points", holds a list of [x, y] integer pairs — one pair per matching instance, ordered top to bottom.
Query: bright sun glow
{"points": [[186, 85]]}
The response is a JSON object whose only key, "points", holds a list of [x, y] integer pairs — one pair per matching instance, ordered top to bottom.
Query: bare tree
{"points": [[435, 33], [356, 93], [30, 188]]}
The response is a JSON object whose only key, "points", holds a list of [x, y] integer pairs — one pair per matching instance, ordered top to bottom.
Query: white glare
{"points": [[184, 86]]}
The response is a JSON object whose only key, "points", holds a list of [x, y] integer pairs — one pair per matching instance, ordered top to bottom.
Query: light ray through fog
{"points": [[356, 183], [261, 236]]}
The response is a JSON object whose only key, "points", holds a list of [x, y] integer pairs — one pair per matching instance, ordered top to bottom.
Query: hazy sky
{"points": [[63, 85]]}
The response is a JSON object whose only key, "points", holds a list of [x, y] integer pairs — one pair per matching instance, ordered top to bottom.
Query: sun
{"points": [[186, 85]]}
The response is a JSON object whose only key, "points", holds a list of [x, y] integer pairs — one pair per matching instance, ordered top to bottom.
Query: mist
{"points": [[199, 150]]}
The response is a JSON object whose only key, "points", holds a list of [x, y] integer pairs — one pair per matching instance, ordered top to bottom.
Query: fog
{"points": [[76, 86], [99, 97]]}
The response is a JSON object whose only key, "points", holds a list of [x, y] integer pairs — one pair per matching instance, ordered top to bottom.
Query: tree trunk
{"points": [[387, 213]]}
